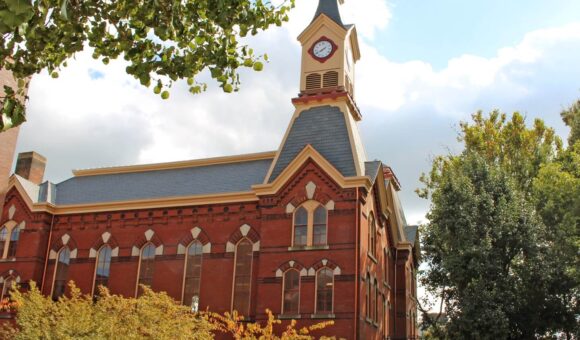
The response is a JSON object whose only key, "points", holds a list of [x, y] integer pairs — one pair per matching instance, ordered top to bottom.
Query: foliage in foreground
{"points": [[161, 40], [502, 245], [151, 316]]}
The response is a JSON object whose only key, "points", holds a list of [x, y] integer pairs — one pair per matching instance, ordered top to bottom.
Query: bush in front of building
{"points": [[152, 315]]}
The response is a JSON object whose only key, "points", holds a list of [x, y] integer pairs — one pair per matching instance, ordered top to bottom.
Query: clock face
{"points": [[322, 49]]}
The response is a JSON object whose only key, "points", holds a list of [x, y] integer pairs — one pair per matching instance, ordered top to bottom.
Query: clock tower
{"points": [[329, 52], [326, 116]]}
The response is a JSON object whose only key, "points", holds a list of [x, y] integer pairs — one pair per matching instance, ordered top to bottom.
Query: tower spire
{"points": [[330, 9]]}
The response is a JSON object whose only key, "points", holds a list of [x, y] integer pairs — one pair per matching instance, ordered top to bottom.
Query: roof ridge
{"points": [[175, 165]]}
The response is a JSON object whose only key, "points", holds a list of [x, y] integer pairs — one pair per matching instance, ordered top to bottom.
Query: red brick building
{"points": [[312, 231]]}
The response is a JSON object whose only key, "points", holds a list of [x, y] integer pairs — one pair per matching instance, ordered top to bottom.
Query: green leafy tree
{"points": [[161, 40], [571, 117], [502, 241]]}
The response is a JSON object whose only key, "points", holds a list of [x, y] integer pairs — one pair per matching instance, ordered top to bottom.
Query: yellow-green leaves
{"points": [[161, 41]]}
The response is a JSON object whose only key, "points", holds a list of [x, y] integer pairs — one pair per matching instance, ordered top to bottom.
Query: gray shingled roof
{"points": [[330, 8], [324, 128], [372, 170], [211, 179], [411, 232]]}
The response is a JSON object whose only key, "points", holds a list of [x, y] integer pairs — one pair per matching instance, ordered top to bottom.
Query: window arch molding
{"points": [[245, 231], [195, 234], [148, 237], [106, 239], [65, 240], [291, 265]]}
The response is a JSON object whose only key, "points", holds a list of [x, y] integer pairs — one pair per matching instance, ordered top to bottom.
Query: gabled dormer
{"points": [[329, 53]]}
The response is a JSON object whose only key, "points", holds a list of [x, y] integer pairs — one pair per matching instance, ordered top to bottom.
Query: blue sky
{"points": [[436, 31], [425, 66]]}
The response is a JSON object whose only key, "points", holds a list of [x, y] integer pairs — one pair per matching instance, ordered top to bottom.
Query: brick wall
{"points": [[7, 143]]}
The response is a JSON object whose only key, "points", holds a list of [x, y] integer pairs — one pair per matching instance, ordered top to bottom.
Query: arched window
{"points": [[310, 225], [301, 227], [14, 236], [319, 237], [372, 237], [3, 239], [146, 266], [103, 269], [61, 273], [243, 277], [192, 278], [6, 287], [324, 291], [291, 297], [368, 297], [372, 298], [377, 299]]}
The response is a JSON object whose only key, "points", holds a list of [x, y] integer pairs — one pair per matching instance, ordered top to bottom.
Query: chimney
{"points": [[31, 165]]}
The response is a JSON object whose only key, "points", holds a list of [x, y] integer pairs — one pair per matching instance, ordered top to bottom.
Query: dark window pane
{"points": [[300, 227], [14, 237], [3, 238], [147, 266], [103, 268], [61, 274], [243, 277], [324, 291], [291, 292]]}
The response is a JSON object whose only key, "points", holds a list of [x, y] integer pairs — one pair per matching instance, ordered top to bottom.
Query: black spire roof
{"points": [[330, 9]]}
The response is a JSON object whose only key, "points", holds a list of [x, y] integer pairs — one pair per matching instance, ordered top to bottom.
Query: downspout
{"points": [[46, 255], [356, 265], [395, 297]]}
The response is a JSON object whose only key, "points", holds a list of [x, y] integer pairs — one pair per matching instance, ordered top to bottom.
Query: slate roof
{"points": [[330, 8], [323, 127], [372, 170], [210, 179], [411, 232]]}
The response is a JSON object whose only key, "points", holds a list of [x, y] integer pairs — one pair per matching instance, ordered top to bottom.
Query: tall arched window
{"points": [[310, 225], [301, 227], [319, 233], [9, 235], [14, 236], [372, 237], [3, 239], [146, 266], [103, 270], [61, 273], [243, 277], [192, 278], [6, 287], [324, 291], [368, 297], [377, 299], [291, 302]]}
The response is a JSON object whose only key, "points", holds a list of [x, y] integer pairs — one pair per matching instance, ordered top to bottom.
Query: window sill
{"points": [[307, 248], [372, 258], [9, 259], [388, 286], [289, 316], [322, 316], [369, 321]]}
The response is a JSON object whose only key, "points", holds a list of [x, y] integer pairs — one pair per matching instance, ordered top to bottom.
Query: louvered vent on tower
{"points": [[331, 79], [313, 81]]}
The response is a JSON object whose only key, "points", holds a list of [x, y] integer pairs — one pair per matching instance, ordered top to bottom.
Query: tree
{"points": [[162, 40], [571, 117], [501, 243], [150, 316]]}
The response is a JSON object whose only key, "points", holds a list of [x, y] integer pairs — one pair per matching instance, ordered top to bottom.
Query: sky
{"points": [[426, 65]]}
